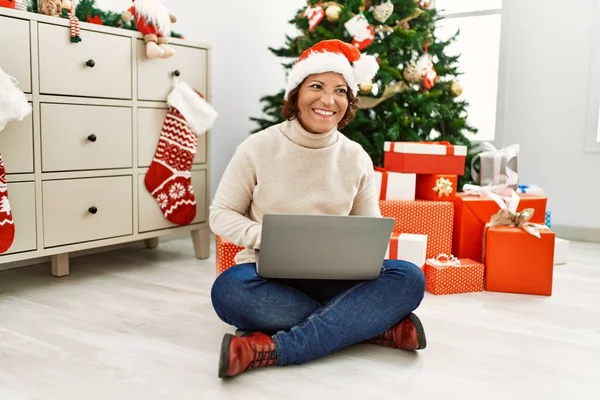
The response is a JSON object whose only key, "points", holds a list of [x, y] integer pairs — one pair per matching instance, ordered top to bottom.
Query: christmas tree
{"points": [[413, 97]]}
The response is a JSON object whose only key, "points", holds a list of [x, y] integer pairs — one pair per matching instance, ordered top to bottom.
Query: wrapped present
{"points": [[424, 157], [494, 166], [395, 185], [438, 187], [531, 189], [473, 211], [431, 218], [548, 220], [408, 247], [561, 251], [226, 252], [519, 254], [450, 275]]}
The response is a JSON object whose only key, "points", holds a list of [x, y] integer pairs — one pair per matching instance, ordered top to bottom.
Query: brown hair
{"points": [[290, 109]]}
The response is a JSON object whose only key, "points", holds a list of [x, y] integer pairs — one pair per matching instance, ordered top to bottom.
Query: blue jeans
{"points": [[310, 319]]}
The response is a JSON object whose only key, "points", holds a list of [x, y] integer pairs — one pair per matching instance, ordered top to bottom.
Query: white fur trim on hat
{"points": [[318, 63], [363, 69], [199, 115]]}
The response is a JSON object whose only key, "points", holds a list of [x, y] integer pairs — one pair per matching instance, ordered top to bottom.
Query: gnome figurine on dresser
{"points": [[153, 20]]}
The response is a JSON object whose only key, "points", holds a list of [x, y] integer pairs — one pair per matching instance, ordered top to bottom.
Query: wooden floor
{"points": [[138, 324]]}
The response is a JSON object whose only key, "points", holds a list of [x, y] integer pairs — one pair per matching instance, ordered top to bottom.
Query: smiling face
{"points": [[322, 101]]}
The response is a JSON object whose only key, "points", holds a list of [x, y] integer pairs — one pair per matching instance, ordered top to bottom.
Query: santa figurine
{"points": [[153, 20]]}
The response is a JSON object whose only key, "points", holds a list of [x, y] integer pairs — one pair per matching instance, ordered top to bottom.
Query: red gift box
{"points": [[424, 157], [438, 187], [472, 212], [431, 218], [226, 252], [519, 262], [450, 275]]}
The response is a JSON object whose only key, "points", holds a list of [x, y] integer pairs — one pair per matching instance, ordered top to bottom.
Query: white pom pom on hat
{"points": [[333, 56]]}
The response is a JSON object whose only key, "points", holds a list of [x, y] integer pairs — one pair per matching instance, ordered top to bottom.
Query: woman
{"points": [[306, 166]]}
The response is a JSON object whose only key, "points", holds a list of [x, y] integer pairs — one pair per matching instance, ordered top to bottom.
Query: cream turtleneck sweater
{"points": [[286, 169]]}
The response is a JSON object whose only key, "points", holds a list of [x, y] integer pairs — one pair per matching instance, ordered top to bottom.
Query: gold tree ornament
{"points": [[383, 11], [332, 12], [412, 73], [366, 87], [455, 88]]}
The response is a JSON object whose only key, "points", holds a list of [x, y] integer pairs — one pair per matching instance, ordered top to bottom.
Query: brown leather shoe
{"points": [[407, 334], [240, 354]]}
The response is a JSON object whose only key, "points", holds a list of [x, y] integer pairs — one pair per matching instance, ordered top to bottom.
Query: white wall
{"points": [[243, 69], [547, 75], [547, 81]]}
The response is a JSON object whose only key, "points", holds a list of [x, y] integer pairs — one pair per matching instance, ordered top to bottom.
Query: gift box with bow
{"points": [[424, 157], [496, 166], [395, 185], [438, 187], [474, 208], [431, 218], [408, 247], [225, 254], [519, 254], [450, 275]]}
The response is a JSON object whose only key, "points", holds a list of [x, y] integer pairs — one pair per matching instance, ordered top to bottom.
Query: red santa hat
{"points": [[333, 56]]}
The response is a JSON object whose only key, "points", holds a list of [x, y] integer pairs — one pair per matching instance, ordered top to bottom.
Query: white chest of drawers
{"points": [[76, 165]]}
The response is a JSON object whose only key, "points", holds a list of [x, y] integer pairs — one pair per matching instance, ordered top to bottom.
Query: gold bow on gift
{"points": [[443, 187], [508, 216], [444, 260]]}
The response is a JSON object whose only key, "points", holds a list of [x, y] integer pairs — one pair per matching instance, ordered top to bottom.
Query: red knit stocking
{"points": [[169, 177], [7, 226]]}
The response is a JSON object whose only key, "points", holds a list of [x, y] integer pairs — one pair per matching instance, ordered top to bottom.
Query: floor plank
{"points": [[138, 324]]}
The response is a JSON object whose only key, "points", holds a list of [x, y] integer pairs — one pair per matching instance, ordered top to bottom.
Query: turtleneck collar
{"points": [[295, 132]]}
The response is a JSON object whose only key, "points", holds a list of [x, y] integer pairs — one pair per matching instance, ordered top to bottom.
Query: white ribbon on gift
{"points": [[508, 152], [498, 193], [443, 261]]}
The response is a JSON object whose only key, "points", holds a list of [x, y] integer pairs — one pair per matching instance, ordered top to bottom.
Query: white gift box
{"points": [[398, 186], [408, 247], [561, 251]]}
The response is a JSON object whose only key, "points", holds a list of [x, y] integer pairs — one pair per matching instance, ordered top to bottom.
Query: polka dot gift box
{"points": [[431, 218], [226, 252], [449, 275]]}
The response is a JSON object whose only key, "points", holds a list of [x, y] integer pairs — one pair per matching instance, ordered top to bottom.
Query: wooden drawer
{"points": [[15, 51], [63, 68], [155, 75], [150, 122], [81, 137], [16, 146], [21, 197], [68, 207], [150, 215]]}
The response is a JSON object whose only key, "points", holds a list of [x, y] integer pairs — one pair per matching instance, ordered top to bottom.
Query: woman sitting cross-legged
{"points": [[306, 166]]}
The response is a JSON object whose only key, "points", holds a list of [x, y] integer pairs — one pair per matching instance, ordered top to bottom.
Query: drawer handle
{"points": [[90, 63], [176, 72], [92, 138], [93, 210]]}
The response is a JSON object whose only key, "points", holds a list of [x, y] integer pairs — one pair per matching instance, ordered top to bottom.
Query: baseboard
{"points": [[577, 233], [97, 250]]}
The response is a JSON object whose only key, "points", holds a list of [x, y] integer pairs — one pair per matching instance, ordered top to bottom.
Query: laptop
{"points": [[322, 246]]}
